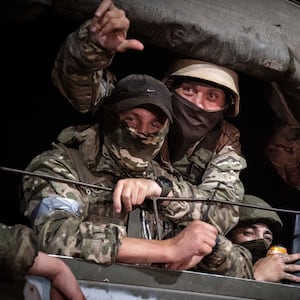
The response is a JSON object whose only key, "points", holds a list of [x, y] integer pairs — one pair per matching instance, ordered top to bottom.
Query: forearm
{"points": [[80, 71], [194, 241], [142, 251], [41, 266], [59, 274]]}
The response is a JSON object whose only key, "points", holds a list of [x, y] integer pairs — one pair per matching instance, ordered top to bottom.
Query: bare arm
{"points": [[183, 251], [59, 274]]}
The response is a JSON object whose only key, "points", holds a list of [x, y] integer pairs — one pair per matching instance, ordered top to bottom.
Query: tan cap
{"points": [[211, 73]]}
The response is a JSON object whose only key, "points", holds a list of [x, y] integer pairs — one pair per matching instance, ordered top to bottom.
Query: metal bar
{"points": [[50, 177], [151, 198], [157, 218]]}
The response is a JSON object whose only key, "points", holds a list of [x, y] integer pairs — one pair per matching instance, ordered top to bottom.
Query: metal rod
{"points": [[17, 171], [45, 176], [226, 202], [156, 218]]}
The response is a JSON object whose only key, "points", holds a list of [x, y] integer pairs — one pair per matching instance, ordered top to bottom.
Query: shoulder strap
{"points": [[84, 173]]}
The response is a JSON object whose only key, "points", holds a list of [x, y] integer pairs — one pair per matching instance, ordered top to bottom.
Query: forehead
{"points": [[198, 83], [149, 111], [258, 226]]}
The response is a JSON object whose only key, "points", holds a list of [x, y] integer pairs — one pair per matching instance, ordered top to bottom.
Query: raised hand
{"points": [[109, 27]]}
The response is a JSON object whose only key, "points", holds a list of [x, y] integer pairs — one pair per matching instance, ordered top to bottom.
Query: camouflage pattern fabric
{"points": [[81, 57], [80, 76], [93, 88], [283, 147], [132, 150], [283, 150], [219, 181], [61, 232], [96, 232], [18, 250], [228, 259]]}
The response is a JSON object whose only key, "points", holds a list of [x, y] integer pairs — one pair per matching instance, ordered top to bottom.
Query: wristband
{"points": [[165, 184]]}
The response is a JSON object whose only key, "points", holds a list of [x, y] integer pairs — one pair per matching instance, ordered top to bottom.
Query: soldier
{"points": [[203, 148], [117, 155], [210, 167], [255, 231], [20, 257]]}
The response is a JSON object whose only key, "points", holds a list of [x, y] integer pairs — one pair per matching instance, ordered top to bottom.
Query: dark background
{"points": [[33, 112]]}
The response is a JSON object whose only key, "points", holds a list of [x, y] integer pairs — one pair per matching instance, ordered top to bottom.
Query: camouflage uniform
{"points": [[220, 166], [212, 168], [250, 216], [78, 220], [87, 225], [18, 249], [228, 259]]}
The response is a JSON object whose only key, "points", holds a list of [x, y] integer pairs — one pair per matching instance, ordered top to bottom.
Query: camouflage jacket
{"points": [[80, 73], [77, 220], [83, 222], [18, 250], [228, 259]]}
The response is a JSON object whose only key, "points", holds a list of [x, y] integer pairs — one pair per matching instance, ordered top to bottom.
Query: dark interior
{"points": [[33, 112]]}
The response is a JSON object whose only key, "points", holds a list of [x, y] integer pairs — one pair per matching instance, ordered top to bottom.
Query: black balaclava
{"points": [[190, 124], [258, 248]]}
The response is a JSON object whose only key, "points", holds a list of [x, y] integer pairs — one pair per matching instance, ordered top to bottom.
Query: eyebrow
{"points": [[203, 84], [267, 230]]}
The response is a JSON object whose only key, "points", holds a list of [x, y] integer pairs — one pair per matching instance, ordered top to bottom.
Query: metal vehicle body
{"points": [[258, 39], [119, 281]]}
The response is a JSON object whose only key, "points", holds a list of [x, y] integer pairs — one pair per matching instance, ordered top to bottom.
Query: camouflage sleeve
{"points": [[80, 73], [221, 181], [57, 212], [18, 250], [228, 259]]}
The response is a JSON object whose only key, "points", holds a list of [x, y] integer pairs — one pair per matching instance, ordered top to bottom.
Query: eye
{"points": [[187, 89], [213, 96], [128, 118], [131, 121], [158, 125], [249, 233], [268, 237], [269, 240]]}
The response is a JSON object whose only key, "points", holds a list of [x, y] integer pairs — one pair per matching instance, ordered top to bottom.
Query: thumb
{"points": [[130, 44]]}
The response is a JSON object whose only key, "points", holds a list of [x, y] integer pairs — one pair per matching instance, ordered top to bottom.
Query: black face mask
{"points": [[190, 124], [258, 248]]}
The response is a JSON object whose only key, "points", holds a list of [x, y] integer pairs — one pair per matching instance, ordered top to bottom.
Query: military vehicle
{"points": [[258, 39]]}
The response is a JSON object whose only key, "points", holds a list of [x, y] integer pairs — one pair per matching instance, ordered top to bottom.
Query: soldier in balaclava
{"points": [[117, 156], [256, 231]]}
